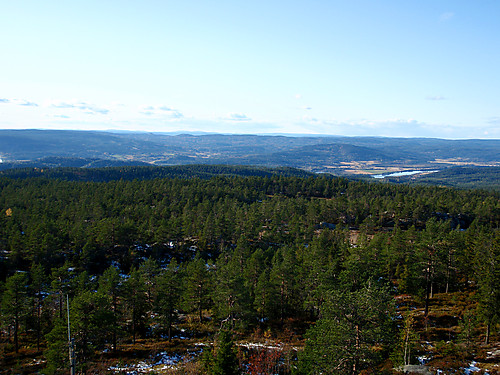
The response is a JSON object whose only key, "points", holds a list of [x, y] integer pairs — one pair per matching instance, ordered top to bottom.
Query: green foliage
{"points": [[142, 172], [255, 251], [487, 264], [320, 267], [283, 280], [197, 286], [110, 287], [38, 288], [167, 296], [231, 298], [15, 303], [136, 303], [90, 319], [468, 324], [352, 332], [406, 344], [57, 352], [223, 359]]}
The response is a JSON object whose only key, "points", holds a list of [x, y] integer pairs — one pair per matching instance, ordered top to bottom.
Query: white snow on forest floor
{"points": [[258, 345], [493, 355], [423, 359], [161, 361], [165, 361], [472, 368], [467, 371]]}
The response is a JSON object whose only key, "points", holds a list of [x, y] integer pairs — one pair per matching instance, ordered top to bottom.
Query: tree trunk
{"points": [[448, 272], [427, 291], [282, 300], [200, 304], [60, 305], [115, 321], [133, 327], [16, 328], [38, 328], [488, 328], [170, 330], [406, 356], [355, 367]]}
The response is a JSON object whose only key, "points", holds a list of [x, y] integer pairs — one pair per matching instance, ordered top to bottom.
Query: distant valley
{"points": [[477, 162]]}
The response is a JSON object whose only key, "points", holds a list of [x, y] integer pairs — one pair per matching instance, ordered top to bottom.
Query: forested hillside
{"points": [[341, 156], [150, 173], [343, 276]]}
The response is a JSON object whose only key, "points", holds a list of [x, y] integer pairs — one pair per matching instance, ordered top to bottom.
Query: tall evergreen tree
{"points": [[488, 278], [283, 279], [197, 285], [110, 286], [38, 288], [166, 296], [231, 298], [15, 302], [136, 303], [90, 319], [352, 327], [223, 359]]}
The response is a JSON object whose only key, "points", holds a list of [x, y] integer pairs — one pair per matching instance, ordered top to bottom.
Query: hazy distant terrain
{"points": [[337, 155]]}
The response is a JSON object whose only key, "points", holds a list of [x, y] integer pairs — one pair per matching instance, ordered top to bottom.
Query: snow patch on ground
{"points": [[256, 345], [267, 346], [493, 355], [423, 359], [161, 361], [165, 361], [472, 368], [467, 371]]}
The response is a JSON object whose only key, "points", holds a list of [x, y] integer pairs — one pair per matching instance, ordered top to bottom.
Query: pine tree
{"points": [[488, 278], [110, 286], [38, 287], [196, 294], [167, 296], [231, 298], [15, 302], [136, 303], [90, 319], [352, 326], [57, 348], [225, 360]]}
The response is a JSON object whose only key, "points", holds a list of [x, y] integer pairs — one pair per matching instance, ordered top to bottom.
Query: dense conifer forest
{"points": [[327, 275]]}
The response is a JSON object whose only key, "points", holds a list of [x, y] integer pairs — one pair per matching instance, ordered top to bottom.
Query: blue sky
{"points": [[426, 68]]}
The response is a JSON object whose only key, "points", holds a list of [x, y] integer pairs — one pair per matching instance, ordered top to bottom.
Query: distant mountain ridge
{"points": [[327, 154]]}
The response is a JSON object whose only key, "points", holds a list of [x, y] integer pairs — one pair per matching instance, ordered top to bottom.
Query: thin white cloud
{"points": [[446, 16], [435, 98], [26, 103], [82, 106], [161, 111], [175, 115], [238, 117], [308, 118]]}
